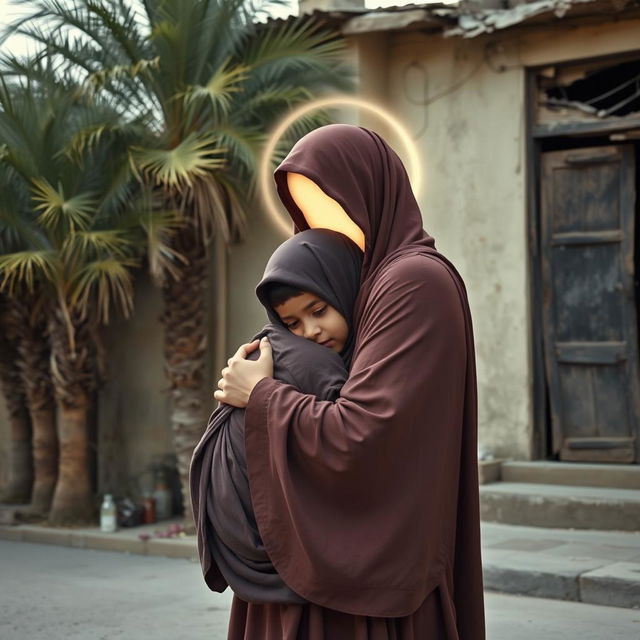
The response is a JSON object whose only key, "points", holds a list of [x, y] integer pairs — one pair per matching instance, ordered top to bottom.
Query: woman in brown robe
{"points": [[368, 505]]}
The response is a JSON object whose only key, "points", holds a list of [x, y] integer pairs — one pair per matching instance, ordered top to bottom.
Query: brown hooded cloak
{"points": [[368, 505]]}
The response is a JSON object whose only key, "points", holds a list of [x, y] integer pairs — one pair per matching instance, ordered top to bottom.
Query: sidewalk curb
{"points": [[126, 541], [588, 580], [595, 582]]}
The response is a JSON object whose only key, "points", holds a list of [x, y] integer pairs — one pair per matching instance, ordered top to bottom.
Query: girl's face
{"points": [[310, 317]]}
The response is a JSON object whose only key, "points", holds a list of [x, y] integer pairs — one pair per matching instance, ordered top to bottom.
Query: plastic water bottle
{"points": [[108, 520]]}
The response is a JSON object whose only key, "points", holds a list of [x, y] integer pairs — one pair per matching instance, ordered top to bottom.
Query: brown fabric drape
{"points": [[368, 505]]}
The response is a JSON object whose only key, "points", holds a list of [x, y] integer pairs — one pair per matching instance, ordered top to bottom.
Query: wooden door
{"points": [[590, 326]]}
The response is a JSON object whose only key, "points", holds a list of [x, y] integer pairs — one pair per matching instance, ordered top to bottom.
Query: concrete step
{"points": [[577, 474], [560, 506]]}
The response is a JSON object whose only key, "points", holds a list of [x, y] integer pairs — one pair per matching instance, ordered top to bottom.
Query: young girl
{"points": [[308, 289]]}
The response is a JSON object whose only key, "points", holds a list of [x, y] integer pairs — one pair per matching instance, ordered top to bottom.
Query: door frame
{"points": [[541, 438]]}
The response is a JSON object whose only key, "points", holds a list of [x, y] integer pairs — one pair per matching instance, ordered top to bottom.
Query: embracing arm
{"points": [[410, 359], [240, 375]]}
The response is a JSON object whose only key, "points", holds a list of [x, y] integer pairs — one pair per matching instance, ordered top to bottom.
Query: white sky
{"points": [[19, 46]]}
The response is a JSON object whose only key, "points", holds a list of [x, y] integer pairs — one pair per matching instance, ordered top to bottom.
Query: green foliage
{"points": [[206, 82], [136, 119], [61, 232]]}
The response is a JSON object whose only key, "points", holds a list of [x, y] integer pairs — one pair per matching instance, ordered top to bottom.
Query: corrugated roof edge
{"points": [[457, 21]]}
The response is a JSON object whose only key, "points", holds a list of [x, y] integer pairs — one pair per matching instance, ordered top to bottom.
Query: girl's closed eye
{"points": [[312, 318]]}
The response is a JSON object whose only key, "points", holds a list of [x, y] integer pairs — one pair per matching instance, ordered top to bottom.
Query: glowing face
{"points": [[320, 210], [310, 317]]}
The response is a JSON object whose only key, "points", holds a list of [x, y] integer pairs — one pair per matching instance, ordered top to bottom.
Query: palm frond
{"points": [[299, 46], [99, 79], [218, 92], [270, 100], [100, 127], [244, 144], [195, 157], [240, 195], [59, 212], [160, 227], [17, 230], [83, 245], [27, 269], [107, 281]]}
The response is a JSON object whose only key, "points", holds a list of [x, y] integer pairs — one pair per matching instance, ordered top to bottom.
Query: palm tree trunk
{"points": [[28, 324], [185, 350], [74, 380], [45, 458], [18, 487]]}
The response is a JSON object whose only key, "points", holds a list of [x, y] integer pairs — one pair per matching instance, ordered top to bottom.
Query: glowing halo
{"points": [[265, 176]]}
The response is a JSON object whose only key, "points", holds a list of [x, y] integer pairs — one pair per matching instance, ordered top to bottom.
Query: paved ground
{"points": [[594, 567], [56, 593]]}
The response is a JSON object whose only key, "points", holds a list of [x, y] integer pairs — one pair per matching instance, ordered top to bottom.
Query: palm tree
{"points": [[214, 82], [74, 247], [27, 380], [31, 392], [20, 478]]}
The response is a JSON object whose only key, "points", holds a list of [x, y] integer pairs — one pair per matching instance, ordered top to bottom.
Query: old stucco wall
{"points": [[464, 102], [467, 121], [246, 262], [133, 418], [5, 434]]}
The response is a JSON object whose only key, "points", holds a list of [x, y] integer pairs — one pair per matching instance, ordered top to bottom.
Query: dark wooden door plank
{"points": [[589, 309]]}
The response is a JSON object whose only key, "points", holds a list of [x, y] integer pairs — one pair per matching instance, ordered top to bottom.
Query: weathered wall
{"points": [[464, 101], [467, 122], [245, 315], [133, 418], [5, 434]]}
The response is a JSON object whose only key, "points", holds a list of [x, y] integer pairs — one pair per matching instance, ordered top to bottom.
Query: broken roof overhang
{"points": [[540, 11], [429, 17], [465, 21]]}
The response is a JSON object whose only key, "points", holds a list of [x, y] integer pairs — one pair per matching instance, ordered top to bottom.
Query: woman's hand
{"points": [[241, 376]]}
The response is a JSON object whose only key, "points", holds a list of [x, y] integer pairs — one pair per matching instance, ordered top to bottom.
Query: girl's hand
{"points": [[241, 376]]}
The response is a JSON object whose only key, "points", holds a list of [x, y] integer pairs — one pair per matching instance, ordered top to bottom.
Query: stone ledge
{"points": [[489, 471], [577, 474], [560, 506], [172, 548], [535, 574], [588, 580], [615, 585]]}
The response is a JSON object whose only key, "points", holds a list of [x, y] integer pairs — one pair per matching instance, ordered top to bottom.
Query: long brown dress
{"points": [[368, 506]]}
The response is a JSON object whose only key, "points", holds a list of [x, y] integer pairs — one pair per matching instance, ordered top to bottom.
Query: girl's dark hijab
{"points": [[319, 261]]}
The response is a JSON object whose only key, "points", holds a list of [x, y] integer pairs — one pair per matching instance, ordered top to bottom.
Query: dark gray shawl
{"points": [[229, 543]]}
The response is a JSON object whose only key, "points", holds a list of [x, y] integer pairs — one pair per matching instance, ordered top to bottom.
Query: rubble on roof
{"points": [[426, 18], [465, 20], [474, 24]]}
